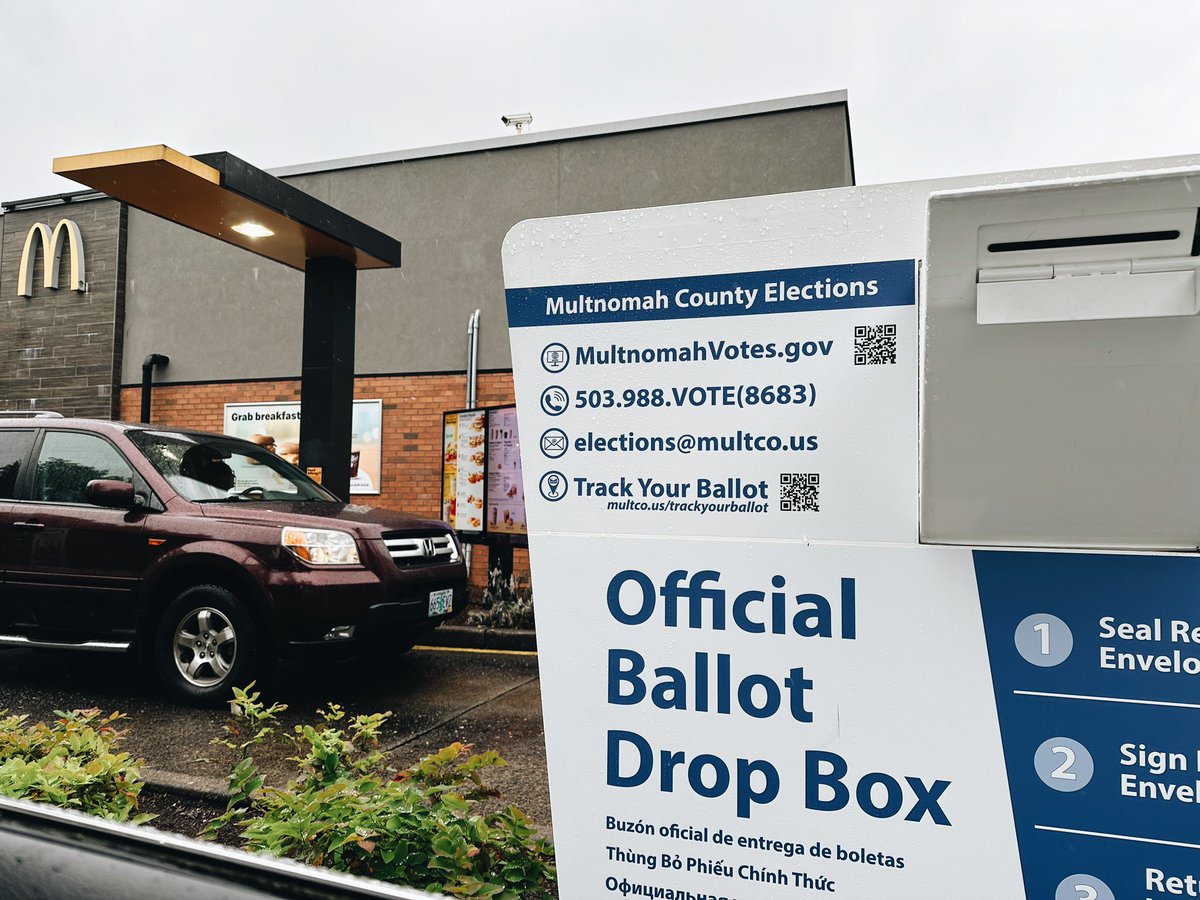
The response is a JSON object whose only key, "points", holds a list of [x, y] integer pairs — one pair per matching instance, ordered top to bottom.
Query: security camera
{"points": [[518, 120]]}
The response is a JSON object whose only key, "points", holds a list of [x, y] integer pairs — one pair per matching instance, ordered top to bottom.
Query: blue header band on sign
{"points": [[853, 286]]}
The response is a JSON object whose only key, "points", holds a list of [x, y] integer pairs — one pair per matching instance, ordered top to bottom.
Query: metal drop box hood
{"points": [[1061, 365]]}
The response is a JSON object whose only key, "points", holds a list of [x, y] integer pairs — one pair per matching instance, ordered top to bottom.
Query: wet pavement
{"points": [[436, 696]]}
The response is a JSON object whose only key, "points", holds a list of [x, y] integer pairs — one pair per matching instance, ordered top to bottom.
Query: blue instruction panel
{"points": [[1096, 665]]}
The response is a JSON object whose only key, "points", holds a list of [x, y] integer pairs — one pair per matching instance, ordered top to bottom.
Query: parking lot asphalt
{"points": [[436, 696]]}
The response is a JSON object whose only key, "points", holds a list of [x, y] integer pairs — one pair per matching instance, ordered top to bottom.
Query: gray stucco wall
{"points": [[221, 313], [58, 349]]}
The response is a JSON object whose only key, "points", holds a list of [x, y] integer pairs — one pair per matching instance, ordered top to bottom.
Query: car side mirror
{"points": [[106, 492]]}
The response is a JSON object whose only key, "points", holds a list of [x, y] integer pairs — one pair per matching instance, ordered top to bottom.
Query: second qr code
{"points": [[799, 492]]}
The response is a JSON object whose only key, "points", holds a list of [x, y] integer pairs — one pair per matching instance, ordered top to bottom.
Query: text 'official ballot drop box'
{"points": [[1061, 390]]}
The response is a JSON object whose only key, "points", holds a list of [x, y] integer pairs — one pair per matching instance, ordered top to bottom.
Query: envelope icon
{"points": [[554, 441]]}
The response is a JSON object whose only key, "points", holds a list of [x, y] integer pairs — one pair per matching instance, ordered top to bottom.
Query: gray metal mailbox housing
{"points": [[1061, 365]]}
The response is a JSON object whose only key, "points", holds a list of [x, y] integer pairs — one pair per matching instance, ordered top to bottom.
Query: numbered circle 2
{"points": [[1044, 640], [1064, 764], [1083, 887]]}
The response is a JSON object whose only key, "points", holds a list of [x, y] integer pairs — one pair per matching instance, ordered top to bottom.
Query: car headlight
{"points": [[319, 547]]}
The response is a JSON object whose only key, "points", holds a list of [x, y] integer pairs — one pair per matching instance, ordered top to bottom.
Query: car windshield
{"points": [[216, 469]]}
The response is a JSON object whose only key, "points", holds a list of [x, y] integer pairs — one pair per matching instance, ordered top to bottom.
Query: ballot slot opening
{"points": [[1092, 240]]}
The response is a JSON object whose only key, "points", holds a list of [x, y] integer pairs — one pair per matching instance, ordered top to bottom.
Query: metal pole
{"points": [[327, 372]]}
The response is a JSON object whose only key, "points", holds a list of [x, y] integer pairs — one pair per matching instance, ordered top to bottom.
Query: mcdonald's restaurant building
{"points": [[91, 288]]}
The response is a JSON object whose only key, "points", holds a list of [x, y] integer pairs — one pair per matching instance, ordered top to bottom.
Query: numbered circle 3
{"points": [[1044, 640], [1064, 764], [1083, 887]]}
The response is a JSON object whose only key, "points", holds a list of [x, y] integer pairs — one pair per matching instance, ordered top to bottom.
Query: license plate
{"points": [[440, 602]]}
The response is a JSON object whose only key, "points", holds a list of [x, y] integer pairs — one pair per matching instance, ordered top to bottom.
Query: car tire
{"points": [[205, 645]]}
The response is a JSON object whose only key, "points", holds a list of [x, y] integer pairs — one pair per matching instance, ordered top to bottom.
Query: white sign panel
{"points": [[712, 415], [756, 729]]}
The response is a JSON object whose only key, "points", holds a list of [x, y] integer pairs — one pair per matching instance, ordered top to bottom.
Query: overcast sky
{"points": [[936, 88]]}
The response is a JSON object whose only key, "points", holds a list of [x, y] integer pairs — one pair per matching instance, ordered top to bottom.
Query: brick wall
{"points": [[60, 350], [412, 430]]}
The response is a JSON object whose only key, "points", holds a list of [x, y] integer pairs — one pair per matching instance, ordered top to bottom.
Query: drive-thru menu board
{"points": [[483, 490], [756, 682]]}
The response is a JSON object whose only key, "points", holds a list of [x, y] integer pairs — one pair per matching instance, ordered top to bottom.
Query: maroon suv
{"points": [[208, 554]]}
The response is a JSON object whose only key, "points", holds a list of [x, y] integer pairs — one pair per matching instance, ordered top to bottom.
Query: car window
{"points": [[14, 447], [69, 460], [213, 468]]}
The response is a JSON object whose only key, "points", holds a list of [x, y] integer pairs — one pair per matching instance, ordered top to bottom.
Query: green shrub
{"points": [[506, 602], [72, 763], [419, 828]]}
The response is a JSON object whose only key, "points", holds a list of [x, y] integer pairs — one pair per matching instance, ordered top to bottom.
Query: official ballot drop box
{"points": [[862, 524]]}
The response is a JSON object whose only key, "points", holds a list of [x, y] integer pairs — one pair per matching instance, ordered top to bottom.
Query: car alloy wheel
{"points": [[204, 646]]}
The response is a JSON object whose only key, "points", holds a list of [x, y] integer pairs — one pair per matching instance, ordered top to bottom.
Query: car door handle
{"points": [[35, 526]]}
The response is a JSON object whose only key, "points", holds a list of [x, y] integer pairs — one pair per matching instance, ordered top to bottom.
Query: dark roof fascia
{"points": [[52, 200]]}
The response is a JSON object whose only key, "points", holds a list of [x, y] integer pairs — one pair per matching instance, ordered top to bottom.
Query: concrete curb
{"points": [[471, 637], [198, 786]]}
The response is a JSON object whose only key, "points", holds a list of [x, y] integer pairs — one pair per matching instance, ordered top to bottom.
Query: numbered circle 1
{"points": [[1044, 640], [1064, 764], [1083, 887]]}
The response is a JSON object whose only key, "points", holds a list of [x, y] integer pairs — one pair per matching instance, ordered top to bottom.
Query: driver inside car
{"points": [[203, 474]]}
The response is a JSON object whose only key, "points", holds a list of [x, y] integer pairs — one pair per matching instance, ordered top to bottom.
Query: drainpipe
{"points": [[472, 357], [148, 366], [472, 377]]}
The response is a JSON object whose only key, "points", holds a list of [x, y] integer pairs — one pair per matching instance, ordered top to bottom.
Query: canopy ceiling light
{"points": [[217, 194]]}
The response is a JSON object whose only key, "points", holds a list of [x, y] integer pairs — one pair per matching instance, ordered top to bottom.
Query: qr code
{"points": [[874, 345], [799, 493]]}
